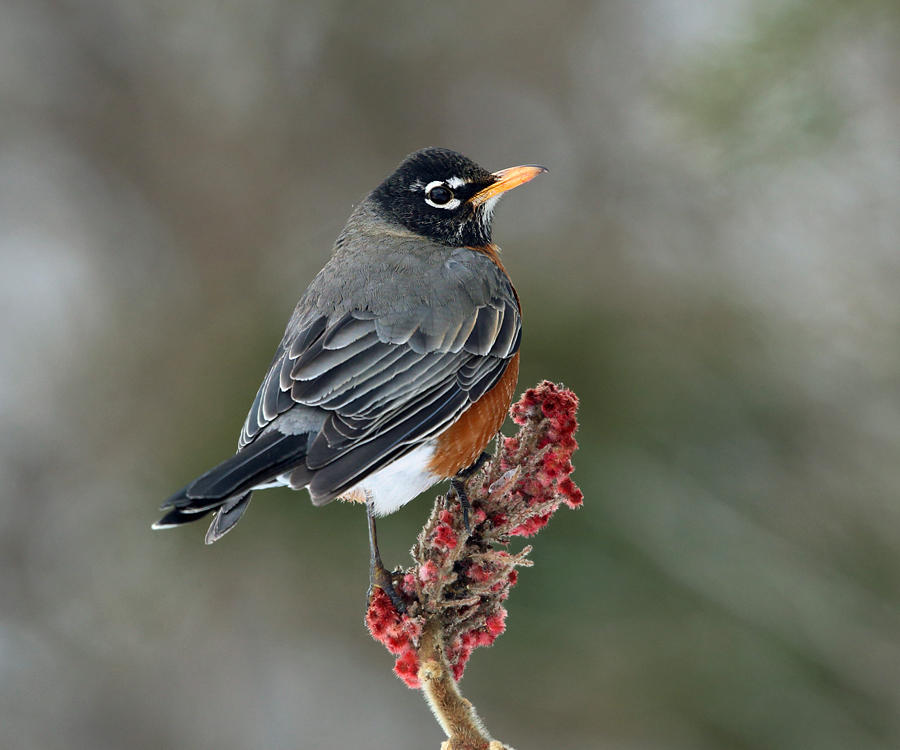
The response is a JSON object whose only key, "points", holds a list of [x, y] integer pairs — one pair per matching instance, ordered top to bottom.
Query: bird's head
{"points": [[446, 197]]}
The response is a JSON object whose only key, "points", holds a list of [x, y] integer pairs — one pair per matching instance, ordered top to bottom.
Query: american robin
{"points": [[399, 362]]}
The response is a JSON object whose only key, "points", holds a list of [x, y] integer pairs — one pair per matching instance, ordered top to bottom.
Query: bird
{"points": [[398, 364]]}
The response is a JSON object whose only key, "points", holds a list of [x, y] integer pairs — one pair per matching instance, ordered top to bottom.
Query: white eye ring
{"points": [[450, 205]]}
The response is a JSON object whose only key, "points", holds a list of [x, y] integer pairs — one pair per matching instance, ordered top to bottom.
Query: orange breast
{"points": [[462, 443]]}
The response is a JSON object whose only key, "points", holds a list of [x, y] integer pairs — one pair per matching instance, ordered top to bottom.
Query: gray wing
{"points": [[384, 382]]}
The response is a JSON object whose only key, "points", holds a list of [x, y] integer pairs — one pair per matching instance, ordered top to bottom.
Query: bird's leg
{"points": [[479, 462], [456, 484], [379, 575]]}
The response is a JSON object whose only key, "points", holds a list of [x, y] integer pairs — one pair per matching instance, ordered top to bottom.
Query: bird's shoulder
{"points": [[403, 282]]}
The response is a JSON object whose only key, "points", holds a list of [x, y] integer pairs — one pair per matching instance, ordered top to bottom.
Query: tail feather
{"points": [[265, 458], [226, 488], [178, 517], [226, 517]]}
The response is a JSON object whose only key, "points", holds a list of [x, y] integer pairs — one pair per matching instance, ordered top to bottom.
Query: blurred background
{"points": [[712, 264]]}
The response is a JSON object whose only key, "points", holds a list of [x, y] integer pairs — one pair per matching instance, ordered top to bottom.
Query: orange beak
{"points": [[507, 179]]}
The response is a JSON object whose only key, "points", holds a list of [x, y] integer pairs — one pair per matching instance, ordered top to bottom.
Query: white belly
{"points": [[394, 485]]}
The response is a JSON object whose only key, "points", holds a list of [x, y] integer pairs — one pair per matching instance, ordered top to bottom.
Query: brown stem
{"points": [[454, 713]]}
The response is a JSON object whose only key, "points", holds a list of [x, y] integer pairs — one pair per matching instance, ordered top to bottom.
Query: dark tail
{"points": [[225, 489]]}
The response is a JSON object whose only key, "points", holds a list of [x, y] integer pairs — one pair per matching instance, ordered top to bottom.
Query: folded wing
{"points": [[386, 383]]}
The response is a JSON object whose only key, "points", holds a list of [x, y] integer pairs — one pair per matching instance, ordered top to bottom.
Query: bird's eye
{"points": [[437, 194], [440, 195]]}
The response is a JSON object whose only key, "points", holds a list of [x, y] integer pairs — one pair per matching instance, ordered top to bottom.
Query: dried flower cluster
{"points": [[460, 579]]}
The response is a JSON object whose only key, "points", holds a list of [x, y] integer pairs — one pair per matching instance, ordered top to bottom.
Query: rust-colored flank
{"points": [[461, 444]]}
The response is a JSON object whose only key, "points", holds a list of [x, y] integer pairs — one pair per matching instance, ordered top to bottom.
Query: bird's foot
{"points": [[381, 578]]}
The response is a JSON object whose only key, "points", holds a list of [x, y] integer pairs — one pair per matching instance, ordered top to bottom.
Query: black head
{"points": [[447, 197]]}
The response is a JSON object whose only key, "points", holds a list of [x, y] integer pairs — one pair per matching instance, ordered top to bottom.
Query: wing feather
{"points": [[484, 332], [318, 360]]}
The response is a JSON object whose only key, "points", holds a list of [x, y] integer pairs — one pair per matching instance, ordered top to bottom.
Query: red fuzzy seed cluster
{"points": [[558, 407], [444, 535], [462, 577], [398, 634], [460, 648]]}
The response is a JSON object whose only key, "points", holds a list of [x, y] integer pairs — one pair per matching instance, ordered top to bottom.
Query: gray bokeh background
{"points": [[712, 264]]}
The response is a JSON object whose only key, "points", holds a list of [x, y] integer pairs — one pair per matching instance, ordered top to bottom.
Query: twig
{"points": [[454, 713]]}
